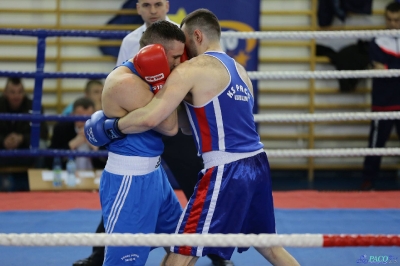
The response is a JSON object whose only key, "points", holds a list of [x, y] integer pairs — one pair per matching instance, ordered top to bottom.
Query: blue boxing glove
{"points": [[101, 130]]}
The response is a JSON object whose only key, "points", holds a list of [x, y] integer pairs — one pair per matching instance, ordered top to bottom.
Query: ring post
{"points": [[38, 88]]}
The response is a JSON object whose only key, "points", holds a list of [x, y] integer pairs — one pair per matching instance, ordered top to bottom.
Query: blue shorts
{"points": [[230, 199], [137, 204]]}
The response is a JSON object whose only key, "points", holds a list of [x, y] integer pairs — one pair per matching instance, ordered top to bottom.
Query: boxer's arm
{"points": [[178, 85], [123, 93], [169, 126]]}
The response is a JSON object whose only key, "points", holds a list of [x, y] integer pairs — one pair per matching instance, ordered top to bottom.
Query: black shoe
{"points": [[88, 262], [222, 262]]}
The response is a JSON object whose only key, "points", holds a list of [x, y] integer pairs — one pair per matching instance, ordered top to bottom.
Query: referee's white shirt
{"points": [[130, 44]]}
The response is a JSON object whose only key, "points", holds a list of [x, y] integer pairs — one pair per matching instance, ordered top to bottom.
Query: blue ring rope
{"points": [[65, 33], [39, 75], [53, 75], [40, 117], [51, 152]]}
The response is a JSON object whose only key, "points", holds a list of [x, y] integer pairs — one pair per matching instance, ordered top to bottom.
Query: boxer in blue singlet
{"points": [[135, 194]]}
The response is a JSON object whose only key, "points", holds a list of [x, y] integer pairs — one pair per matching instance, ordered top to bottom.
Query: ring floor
{"points": [[298, 211]]}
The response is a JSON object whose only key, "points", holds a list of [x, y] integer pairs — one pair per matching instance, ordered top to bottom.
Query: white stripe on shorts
{"points": [[118, 203], [211, 208]]}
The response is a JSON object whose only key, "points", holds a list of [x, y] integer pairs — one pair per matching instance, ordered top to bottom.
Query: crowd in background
{"points": [[64, 135]]}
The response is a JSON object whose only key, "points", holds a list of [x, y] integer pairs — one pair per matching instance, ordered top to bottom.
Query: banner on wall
{"points": [[233, 15], [242, 16]]}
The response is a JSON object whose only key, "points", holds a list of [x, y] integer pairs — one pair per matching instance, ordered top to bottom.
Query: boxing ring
{"points": [[288, 240]]}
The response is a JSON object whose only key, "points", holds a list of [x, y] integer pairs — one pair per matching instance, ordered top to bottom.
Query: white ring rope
{"points": [[303, 35], [324, 74], [330, 74], [326, 117], [349, 152], [354, 152], [160, 240], [211, 240]]}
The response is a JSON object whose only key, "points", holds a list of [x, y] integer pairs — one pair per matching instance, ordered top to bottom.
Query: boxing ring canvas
{"points": [[304, 212]]}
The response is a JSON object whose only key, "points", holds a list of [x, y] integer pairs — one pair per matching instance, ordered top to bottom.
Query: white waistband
{"points": [[214, 158], [131, 165]]}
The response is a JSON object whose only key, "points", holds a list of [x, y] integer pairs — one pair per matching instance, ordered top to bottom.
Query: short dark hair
{"points": [[393, 7], [205, 20], [161, 32], [14, 81], [92, 82], [85, 102]]}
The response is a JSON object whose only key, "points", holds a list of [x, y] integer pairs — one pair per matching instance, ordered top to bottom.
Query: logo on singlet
{"points": [[239, 93], [130, 257]]}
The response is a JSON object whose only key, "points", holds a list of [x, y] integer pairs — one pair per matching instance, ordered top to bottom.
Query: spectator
{"points": [[150, 11], [384, 54], [93, 91], [17, 134], [70, 136], [180, 153]]}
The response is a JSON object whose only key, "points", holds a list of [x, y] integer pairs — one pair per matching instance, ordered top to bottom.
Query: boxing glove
{"points": [[152, 65], [101, 130]]}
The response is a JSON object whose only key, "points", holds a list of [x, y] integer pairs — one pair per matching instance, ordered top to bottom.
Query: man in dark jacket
{"points": [[384, 54], [16, 134], [70, 136]]}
